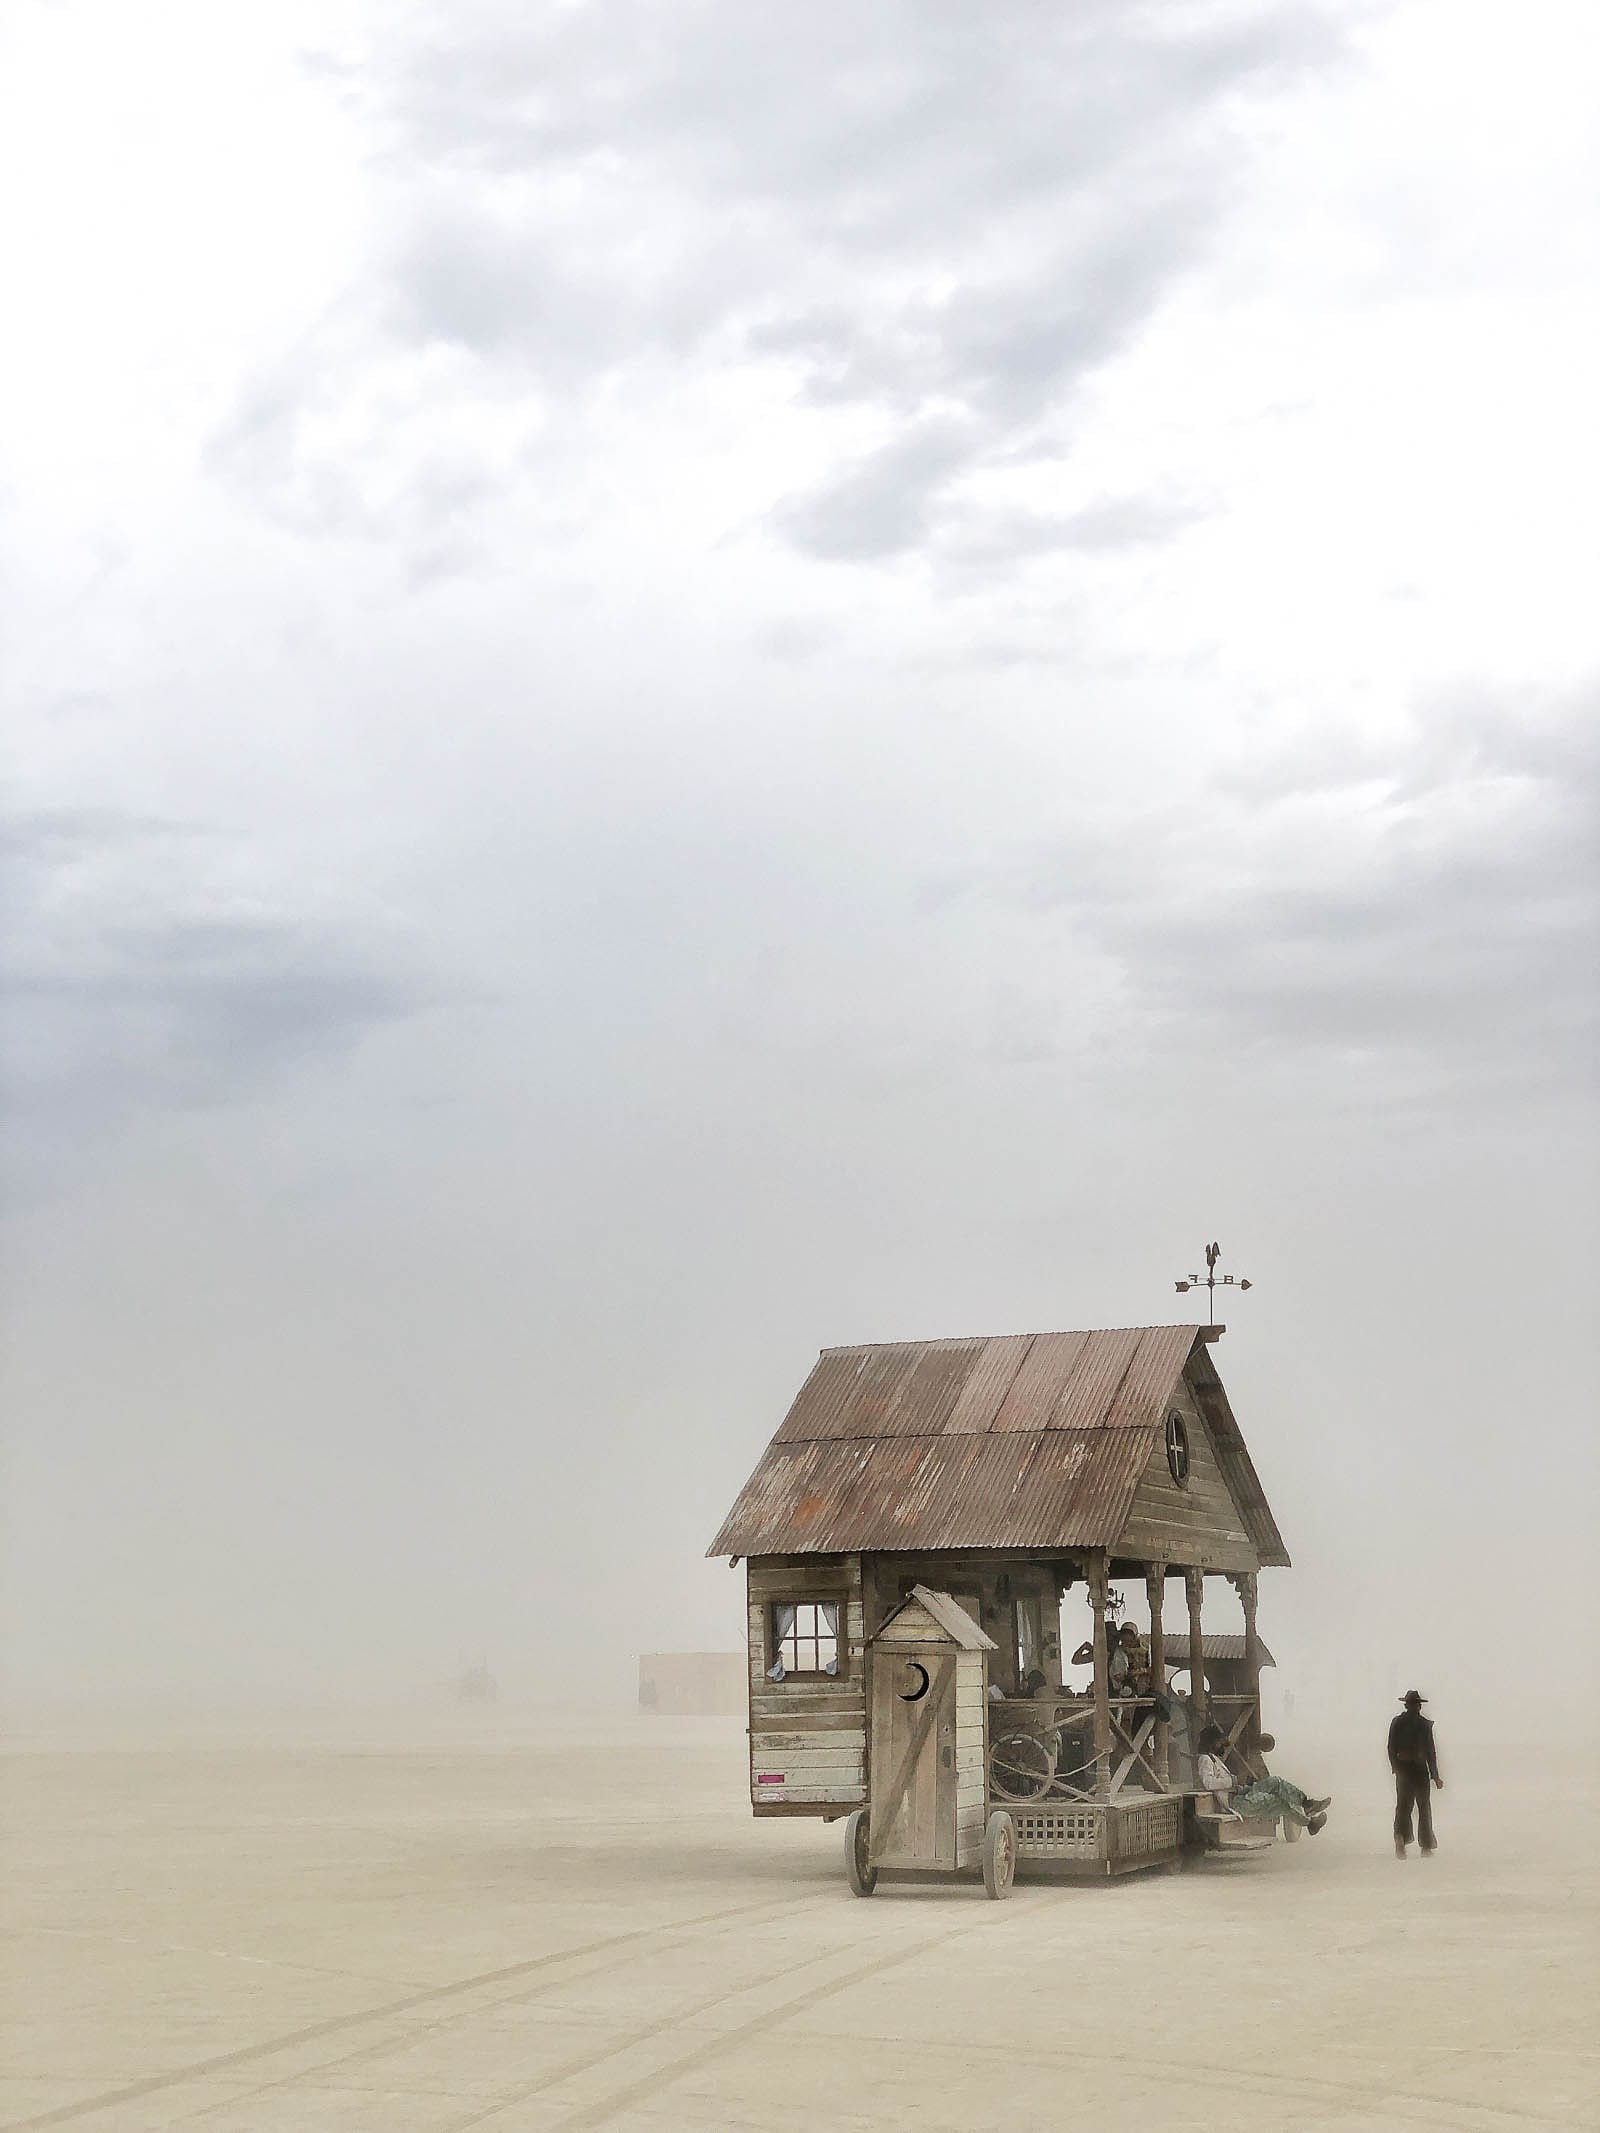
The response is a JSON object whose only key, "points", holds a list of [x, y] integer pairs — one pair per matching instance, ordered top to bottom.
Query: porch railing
{"points": [[1042, 1748]]}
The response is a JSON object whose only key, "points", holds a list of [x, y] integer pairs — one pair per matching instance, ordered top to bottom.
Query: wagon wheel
{"points": [[1021, 1766], [999, 1855], [863, 1878]]}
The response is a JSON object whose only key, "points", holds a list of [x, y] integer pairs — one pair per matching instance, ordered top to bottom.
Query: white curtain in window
{"points": [[829, 1611], [782, 1623]]}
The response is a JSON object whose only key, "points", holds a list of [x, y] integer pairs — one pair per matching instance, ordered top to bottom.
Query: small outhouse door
{"points": [[925, 1753], [913, 1796]]}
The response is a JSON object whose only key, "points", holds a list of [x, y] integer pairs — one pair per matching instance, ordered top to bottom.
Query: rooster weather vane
{"points": [[1212, 1282]]}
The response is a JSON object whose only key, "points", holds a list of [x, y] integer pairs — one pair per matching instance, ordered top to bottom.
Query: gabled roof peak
{"points": [[964, 1340], [1020, 1440]]}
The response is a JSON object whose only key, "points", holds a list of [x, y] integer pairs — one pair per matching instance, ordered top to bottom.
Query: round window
{"points": [[1178, 1449]]}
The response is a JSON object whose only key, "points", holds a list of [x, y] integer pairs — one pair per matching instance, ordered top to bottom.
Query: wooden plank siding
{"points": [[1198, 1525], [810, 1731], [972, 1763]]}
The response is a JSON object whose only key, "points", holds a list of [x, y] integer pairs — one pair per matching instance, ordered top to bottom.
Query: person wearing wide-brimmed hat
{"points": [[1415, 1763]]}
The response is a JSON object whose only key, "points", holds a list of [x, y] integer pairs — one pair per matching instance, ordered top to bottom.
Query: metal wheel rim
{"points": [[1014, 1779], [863, 1842]]}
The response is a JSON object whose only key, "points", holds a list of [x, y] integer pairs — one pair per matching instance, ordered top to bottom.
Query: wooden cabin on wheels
{"points": [[909, 1536]]}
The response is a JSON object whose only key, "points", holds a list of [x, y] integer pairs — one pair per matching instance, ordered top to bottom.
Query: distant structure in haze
{"points": [[475, 1684], [692, 1684]]}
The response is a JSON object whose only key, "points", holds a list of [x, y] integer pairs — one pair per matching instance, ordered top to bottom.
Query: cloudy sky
{"points": [[688, 681]]}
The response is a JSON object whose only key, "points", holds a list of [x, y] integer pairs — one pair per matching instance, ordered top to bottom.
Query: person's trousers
{"points": [[1413, 1789], [1272, 1796]]}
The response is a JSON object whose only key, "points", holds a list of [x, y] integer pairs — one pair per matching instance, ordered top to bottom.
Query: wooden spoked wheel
{"points": [[1021, 1766], [999, 1855], [863, 1877]]}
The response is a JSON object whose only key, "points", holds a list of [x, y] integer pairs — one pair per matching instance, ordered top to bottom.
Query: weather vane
{"points": [[1212, 1282]]}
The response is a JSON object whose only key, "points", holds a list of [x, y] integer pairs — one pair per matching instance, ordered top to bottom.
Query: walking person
{"points": [[1415, 1763]]}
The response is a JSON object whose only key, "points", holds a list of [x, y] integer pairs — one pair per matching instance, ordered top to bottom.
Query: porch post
{"points": [[1154, 1584], [1194, 1584], [1246, 1585], [1102, 1677]]}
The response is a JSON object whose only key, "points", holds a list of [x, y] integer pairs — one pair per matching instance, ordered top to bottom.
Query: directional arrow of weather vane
{"points": [[1211, 1282]]}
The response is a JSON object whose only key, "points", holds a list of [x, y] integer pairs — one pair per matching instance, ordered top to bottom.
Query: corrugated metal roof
{"points": [[1153, 1370], [1118, 1378], [988, 1382], [909, 1387], [1036, 1388], [1085, 1396], [1020, 1441], [1081, 1485], [1048, 1488], [1221, 1645]]}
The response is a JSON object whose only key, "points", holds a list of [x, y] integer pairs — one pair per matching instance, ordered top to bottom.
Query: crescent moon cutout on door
{"points": [[916, 1695]]}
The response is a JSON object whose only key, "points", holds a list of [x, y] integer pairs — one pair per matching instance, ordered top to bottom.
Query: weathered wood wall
{"points": [[1199, 1524], [970, 1576], [810, 1733], [972, 1758]]}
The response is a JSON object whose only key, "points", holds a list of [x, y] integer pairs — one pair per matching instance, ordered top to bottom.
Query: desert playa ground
{"points": [[499, 1920]]}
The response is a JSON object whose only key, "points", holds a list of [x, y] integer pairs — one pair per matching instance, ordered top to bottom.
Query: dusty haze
{"points": [[682, 685]]}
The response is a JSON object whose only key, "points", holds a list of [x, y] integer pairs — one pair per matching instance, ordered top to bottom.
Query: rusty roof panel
{"points": [[1098, 1369], [988, 1381], [1018, 1382], [881, 1387], [932, 1388], [1036, 1388], [854, 1392], [825, 1396], [1140, 1401], [965, 1485], [1081, 1486], [1001, 1489], [799, 1490], [1222, 1645]]}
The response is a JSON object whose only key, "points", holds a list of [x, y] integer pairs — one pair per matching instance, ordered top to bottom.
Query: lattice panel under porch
{"points": [[1147, 1829], [1058, 1832]]}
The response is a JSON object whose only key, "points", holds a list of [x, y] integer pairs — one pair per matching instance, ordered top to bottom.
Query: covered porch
{"points": [[1102, 1777]]}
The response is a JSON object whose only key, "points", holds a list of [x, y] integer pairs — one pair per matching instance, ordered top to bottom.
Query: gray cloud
{"points": [[903, 124], [980, 205], [882, 505], [982, 540], [1440, 938], [141, 979]]}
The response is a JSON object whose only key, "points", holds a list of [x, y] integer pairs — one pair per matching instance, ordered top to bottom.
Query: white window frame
{"points": [[806, 1637]]}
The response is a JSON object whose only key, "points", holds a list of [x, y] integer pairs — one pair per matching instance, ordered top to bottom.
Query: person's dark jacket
{"points": [[1411, 1741]]}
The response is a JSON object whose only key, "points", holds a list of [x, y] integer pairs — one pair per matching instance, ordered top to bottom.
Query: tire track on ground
{"points": [[184, 1947], [387, 2047], [715, 2047], [586, 2062], [199, 2069], [1296, 2088], [1425, 2109]]}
